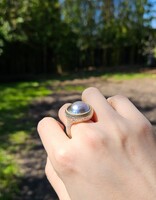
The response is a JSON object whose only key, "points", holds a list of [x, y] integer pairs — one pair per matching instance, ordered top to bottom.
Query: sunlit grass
{"points": [[127, 76], [71, 88], [77, 88], [15, 99], [18, 137], [8, 171]]}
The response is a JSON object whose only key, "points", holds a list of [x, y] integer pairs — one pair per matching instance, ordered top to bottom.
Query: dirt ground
{"points": [[34, 185]]}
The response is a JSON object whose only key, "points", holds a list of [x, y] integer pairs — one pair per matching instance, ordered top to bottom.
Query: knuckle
{"points": [[89, 90], [116, 98], [43, 122], [145, 128], [121, 130], [93, 138], [96, 140], [65, 161]]}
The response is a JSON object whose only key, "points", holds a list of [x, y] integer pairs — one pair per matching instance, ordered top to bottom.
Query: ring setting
{"points": [[77, 112]]}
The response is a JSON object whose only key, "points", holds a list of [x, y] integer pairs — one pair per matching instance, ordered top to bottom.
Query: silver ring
{"points": [[76, 113]]}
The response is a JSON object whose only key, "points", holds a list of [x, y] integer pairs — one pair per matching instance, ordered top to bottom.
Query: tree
{"points": [[81, 16], [62, 35]]}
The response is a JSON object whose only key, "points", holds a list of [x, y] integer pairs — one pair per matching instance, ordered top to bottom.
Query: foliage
{"points": [[67, 34]]}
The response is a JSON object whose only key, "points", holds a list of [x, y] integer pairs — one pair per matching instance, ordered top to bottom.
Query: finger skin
{"points": [[95, 98], [126, 108], [61, 113], [52, 135], [99, 162], [55, 181]]}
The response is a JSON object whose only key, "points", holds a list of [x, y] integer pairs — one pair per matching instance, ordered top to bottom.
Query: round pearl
{"points": [[78, 107]]}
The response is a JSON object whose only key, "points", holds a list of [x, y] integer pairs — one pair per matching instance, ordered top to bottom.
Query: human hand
{"points": [[110, 157]]}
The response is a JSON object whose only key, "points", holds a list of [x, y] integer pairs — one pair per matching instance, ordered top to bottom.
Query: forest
{"points": [[58, 36]]}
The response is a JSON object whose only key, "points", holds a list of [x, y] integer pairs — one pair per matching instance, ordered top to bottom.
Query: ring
{"points": [[76, 113]]}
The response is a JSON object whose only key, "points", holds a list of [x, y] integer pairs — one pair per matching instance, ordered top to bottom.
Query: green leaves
{"points": [[68, 32]]}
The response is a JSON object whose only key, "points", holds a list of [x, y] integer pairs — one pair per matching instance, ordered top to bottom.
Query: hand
{"points": [[111, 157]]}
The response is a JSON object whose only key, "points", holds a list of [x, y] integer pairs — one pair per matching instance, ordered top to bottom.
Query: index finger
{"points": [[51, 134]]}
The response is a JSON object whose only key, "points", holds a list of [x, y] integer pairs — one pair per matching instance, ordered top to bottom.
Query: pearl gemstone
{"points": [[78, 107]]}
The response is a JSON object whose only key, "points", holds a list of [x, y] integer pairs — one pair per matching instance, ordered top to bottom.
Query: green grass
{"points": [[127, 76], [71, 88], [15, 99], [15, 123], [15, 126], [8, 171]]}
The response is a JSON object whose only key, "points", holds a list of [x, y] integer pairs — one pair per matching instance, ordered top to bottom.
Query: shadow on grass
{"points": [[82, 74], [48, 106], [20, 116], [15, 126], [36, 186]]}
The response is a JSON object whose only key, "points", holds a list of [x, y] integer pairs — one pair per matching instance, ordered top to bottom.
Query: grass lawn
{"points": [[127, 76], [15, 99], [14, 129]]}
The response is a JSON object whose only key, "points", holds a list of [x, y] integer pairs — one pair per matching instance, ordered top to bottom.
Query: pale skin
{"points": [[110, 157]]}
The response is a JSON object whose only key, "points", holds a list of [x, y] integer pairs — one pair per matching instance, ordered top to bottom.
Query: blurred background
{"points": [[58, 36], [50, 51]]}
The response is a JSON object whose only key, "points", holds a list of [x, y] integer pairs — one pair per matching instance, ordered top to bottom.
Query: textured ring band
{"points": [[76, 113]]}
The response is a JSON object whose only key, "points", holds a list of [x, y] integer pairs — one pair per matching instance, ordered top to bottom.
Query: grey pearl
{"points": [[78, 107]]}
